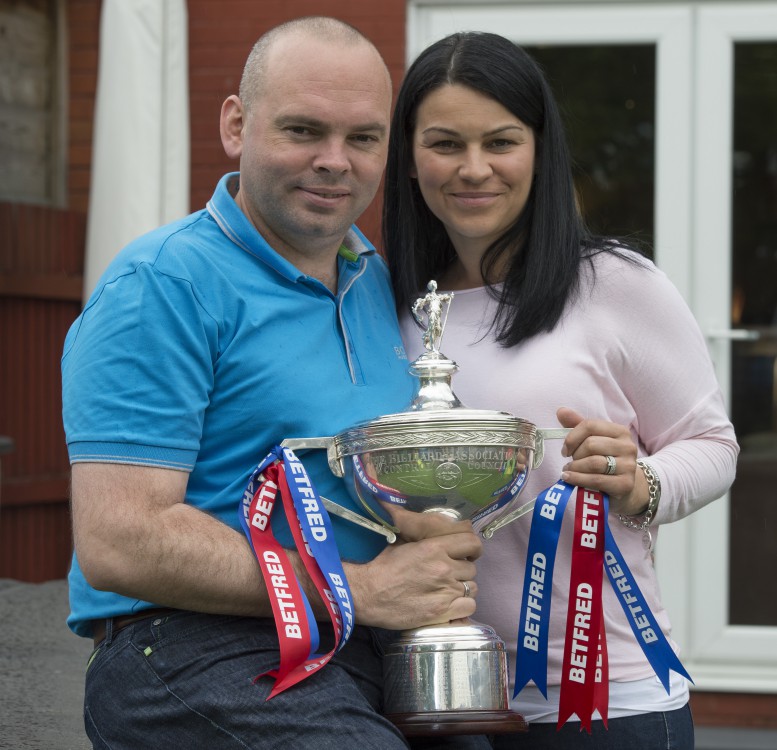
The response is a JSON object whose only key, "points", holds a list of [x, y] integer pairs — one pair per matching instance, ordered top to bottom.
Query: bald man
{"points": [[267, 315]]}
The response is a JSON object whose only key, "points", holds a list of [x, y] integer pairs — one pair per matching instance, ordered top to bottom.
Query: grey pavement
{"points": [[42, 668]]}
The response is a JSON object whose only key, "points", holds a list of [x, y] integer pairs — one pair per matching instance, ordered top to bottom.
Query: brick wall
{"points": [[83, 31]]}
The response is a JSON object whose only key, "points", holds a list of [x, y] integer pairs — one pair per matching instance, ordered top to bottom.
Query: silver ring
{"points": [[611, 466], [467, 589]]}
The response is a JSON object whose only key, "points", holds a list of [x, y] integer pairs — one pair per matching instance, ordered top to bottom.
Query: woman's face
{"points": [[474, 161]]}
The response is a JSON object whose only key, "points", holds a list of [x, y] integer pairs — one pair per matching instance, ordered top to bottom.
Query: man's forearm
{"points": [[142, 541], [183, 559]]}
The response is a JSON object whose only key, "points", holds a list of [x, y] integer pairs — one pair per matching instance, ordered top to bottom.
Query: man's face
{"points": [[314, 143]]}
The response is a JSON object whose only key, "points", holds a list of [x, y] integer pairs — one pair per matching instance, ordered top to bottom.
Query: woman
{"points": [[554, 325]]}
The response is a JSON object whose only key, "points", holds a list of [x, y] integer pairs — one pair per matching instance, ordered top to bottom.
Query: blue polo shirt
{"points": [[201, 348]]}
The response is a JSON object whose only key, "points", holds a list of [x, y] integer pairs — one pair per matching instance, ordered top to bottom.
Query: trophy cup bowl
{"points": [[467, 464]]}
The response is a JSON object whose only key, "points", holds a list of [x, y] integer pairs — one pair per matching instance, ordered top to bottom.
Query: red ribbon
{"points": [[288, 600], [584, 678]]}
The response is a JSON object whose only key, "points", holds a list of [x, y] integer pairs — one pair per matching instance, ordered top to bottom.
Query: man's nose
{"points": [[332, 157]]}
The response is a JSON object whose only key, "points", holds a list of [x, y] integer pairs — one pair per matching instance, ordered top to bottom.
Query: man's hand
{"points": [[416, 526], [418, 581]]}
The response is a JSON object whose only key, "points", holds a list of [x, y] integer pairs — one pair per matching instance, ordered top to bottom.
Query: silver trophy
{"points": [[440, 457]]}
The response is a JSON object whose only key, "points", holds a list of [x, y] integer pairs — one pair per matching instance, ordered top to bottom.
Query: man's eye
{"points": [[365, 138]]}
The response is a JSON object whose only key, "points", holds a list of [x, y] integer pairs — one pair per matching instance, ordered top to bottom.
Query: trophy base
{"points": [[448, 679], [458, 722]]}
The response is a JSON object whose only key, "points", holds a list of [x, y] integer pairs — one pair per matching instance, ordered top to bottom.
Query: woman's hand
{"points": [[588, 445]]}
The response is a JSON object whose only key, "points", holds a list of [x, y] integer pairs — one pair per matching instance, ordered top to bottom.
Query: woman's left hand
{"points": [[603, 457]]}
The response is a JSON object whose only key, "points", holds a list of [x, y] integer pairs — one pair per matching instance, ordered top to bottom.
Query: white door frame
{"points": [[694, 50], [724, 656]]}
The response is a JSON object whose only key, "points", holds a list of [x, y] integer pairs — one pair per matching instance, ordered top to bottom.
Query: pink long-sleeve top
{"points": [[627, 350]]}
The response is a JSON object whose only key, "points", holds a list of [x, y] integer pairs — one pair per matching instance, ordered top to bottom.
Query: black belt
{"points": [[119, 623]]}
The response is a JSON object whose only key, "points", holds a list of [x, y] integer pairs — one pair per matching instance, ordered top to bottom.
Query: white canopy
{"points": [[140, 148]]}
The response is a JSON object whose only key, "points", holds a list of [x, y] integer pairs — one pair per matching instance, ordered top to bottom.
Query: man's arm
{"points": [[135, 536]]}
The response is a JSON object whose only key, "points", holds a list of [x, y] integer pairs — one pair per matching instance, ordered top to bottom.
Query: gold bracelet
{"points": [[654, 495]]}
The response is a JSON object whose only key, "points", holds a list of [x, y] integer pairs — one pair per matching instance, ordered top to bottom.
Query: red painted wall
{"points": [[41, 263]]}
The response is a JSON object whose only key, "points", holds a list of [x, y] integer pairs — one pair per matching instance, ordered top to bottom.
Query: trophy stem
{"points": [[434, 372]]}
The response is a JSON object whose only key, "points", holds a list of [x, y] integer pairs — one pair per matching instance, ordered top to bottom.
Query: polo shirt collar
{"points": [[236, 226]]}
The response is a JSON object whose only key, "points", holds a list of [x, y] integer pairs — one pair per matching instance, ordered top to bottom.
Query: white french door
{"points": [[710, 72]]}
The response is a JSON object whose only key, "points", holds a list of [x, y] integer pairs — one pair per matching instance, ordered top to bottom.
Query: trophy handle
{"points": [[543, 434], [326, 443], [336, 509], [349, 515], [488, 531]]}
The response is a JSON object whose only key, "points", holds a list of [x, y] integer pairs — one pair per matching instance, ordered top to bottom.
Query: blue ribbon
{"points": [[320, 539], [643, 624], [532, 647], [532, 658]]}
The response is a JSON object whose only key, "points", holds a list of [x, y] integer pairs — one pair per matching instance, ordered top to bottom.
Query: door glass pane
{"points": [[607, 99], [754, 363]]}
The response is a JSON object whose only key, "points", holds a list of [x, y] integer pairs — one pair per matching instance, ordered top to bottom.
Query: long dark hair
{"points": [[547, 242]]}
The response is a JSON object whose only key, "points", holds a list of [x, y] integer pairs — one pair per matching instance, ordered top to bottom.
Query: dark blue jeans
{"points": [[187, 681], [672, 730]]}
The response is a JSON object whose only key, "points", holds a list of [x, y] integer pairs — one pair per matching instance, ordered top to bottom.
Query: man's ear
{"points": [[231, 126]]}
